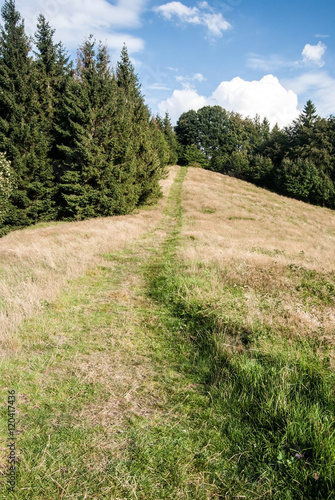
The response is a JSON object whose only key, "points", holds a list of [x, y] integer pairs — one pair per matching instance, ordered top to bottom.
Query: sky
{"points": [[249, 56]]}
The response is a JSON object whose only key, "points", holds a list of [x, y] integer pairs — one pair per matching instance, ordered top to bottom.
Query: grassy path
{"points": [[94, 382], [125, 389]]}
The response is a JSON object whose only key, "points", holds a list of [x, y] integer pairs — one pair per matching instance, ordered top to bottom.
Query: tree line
{"points": [[76, 141], [297, 161]]}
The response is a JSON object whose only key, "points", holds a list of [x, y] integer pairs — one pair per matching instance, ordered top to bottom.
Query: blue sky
{"points": [[249, 56]]}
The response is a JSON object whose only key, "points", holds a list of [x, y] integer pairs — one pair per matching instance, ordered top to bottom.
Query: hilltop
{"points": [[184, 351]]}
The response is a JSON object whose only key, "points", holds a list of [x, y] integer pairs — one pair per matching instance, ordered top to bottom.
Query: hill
{"points": [[185, 351]]}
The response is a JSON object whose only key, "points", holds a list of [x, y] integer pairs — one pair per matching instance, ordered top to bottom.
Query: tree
{"points": [[53, 69], [309, 116], [187, 129], [208, 130], [213, 130], [21, 135], [159, 140], [171, 140], [135, 153], [193, 156], [298, 178], [87, 182], [7, 185]]}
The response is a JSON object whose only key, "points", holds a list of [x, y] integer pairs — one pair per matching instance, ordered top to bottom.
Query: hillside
{"points": [[185, 351]]}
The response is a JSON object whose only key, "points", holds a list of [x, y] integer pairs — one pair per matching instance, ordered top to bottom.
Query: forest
{"points": [[78, 141], [75, 142]]}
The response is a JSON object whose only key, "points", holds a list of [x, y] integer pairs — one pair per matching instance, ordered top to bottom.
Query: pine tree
{"points": [[21, 136]]}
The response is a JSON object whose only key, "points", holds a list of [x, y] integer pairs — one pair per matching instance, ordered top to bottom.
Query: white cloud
{"points": [[185, 14], [201, 15], [76, 19], [216, 24], [313, 53], [269, 63], [199, 77], [158, 86], [318, 86], [265, 97], [180, 101]]}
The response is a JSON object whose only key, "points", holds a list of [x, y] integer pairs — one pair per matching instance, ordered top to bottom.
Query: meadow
{"points": [[185, 351]]}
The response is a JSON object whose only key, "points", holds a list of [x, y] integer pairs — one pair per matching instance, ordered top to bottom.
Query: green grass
{"points": [[143, 381], [272, 398]]}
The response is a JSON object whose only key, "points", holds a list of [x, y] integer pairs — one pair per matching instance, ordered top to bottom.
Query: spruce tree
{"points": [[53, 69], [21, 135], [171, 140], [159, 141], [136, 152], [88, 184]]}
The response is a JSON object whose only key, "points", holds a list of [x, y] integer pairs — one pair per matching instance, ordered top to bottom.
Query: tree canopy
{"points": [[297, 161]]}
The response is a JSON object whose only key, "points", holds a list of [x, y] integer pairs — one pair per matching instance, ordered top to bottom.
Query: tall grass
{"points": [[271, 383], [275, 396]]}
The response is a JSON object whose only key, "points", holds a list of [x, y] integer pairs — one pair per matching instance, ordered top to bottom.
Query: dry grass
{"points": [[261, 244], [36, 263]]}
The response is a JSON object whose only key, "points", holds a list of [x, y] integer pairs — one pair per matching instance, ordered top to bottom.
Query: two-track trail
{"points": [[184, 351], [93, 377]]}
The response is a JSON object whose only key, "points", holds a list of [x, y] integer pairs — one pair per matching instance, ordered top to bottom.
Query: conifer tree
{"points": [[53, 70], [21, 136], [171, 139], [159, 141], [136, 151], [88, 183], [7, 185]]}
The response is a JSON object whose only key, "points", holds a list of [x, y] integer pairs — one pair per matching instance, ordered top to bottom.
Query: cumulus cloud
{"points": [[201, 15], [76, 19], [313, 53], [320, 86], [265, 97], [181, 101]]}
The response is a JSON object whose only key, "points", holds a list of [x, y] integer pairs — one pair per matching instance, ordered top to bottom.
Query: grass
{"points": [[36, 263], [195, 362], [270, 386]]}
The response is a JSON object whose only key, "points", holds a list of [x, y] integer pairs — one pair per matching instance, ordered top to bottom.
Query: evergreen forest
{"points": [[76, 141]]}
